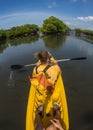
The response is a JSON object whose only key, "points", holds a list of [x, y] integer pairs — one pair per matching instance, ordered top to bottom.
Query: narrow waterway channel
{"points": [[77, 77]]}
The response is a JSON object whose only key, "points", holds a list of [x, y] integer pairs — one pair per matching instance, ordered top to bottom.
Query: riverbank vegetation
{"points": [[52, 25], [24, 30], [80, 32], [84, 34]]}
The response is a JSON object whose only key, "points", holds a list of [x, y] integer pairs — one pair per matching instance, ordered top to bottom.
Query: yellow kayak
{"points": [[58, 96]]}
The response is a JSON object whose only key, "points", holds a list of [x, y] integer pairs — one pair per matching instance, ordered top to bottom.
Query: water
{"points": [[77, 76]]}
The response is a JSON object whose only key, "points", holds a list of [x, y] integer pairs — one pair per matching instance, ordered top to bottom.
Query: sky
{"points": [[74, 13]]}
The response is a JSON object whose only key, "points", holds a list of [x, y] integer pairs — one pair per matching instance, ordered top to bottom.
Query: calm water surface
{"points": [[77, 76]]}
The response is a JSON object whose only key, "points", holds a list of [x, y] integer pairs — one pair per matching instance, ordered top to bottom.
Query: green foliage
{"points": [[53, 25], [49, 28], [22, 30], [78, 31], [86, 32], [2, 34]]}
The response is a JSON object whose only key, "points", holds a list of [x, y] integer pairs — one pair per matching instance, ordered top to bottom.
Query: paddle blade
{"points": [[79, 58], [16, 67]]}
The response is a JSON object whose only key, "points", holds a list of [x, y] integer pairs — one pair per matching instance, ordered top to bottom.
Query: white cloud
{"points": [[53, 4], [85, 19], [79, 22], [68, 23]]}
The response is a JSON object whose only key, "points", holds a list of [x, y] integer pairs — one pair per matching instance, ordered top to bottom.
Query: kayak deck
{"points": [[58, 96], [34, 100]]}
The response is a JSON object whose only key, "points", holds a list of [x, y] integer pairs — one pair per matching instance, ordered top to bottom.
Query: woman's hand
{"points": [[53, 62], [38, 63], [57, 124]]}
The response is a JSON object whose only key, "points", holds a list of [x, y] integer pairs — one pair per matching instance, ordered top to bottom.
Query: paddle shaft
{"points": [[79, 58], [56, 60], [62, 60], [29, 65], [16, 67]]}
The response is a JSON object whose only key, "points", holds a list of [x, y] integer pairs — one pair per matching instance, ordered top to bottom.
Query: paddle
{"points": [[79, 58], [16, 67]]}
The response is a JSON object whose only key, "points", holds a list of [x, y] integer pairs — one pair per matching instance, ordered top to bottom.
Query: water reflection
{"points": [[87, 38], [22, 40], [17, 41], [53, 42], [3, 46]]}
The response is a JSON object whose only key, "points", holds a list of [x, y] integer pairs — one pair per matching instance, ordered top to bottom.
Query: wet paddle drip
{"points": [[11, 80]]}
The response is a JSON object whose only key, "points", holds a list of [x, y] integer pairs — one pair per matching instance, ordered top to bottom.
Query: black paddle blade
{"points": [[79, 58], [16, 67]]}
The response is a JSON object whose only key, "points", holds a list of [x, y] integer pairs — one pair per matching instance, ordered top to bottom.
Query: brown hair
{"points": [[42, 56]]}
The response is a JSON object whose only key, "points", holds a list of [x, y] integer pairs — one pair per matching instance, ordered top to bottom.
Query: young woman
{"points": [[46, 60], [48, 63]]}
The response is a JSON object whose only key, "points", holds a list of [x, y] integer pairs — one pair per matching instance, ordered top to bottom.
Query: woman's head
{"points": [[43, 56]]}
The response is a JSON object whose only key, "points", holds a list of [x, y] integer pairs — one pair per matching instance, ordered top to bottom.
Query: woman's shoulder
{"points": [[54, 67]]}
